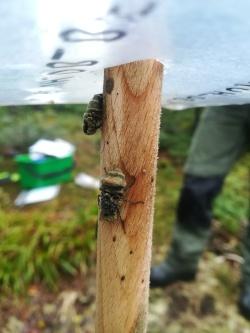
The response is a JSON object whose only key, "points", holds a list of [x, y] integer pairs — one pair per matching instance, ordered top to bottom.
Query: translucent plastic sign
{"points": [[55, 51]]}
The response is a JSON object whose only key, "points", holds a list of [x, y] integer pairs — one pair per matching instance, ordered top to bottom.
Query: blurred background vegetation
{"points": [[41, 242], [48, 243]]}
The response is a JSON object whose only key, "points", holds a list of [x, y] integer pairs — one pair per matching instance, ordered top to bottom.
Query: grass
{"points": [[42, 242]]}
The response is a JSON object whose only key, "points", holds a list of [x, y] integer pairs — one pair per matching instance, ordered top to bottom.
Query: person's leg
{"points": [[217, 143], [192, 229], [244, 300]]}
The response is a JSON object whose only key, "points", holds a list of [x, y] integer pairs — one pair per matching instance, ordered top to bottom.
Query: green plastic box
{"points": [[44, 172]]}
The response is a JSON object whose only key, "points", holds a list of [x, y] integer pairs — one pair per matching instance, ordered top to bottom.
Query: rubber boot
{"points": [[191, 232], [182, 261]]}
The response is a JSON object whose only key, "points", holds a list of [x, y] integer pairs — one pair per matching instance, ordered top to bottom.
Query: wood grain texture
{"points": [[130, 133]]}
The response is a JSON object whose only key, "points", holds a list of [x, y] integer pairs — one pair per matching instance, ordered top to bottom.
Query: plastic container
{"points": [[45, 171]]}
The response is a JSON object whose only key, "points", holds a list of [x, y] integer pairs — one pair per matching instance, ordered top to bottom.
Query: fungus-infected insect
{"points": [[92, 118], [113, 186], [113, 190]]}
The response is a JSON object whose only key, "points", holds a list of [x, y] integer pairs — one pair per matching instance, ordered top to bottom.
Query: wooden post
{"points": [[132, 105]]}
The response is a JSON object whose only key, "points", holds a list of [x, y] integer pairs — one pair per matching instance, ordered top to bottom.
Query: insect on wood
{"points": [[92, 118], [113, 186], [113, 193]]}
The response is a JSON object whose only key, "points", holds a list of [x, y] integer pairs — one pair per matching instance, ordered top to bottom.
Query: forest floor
{"points": [[207, 305]]}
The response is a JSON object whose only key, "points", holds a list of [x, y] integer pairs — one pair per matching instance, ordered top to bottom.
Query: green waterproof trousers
{"points": [[222, 136]]}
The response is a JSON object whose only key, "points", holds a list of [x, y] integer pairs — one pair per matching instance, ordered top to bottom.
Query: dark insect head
{"points": [[92, 119]]}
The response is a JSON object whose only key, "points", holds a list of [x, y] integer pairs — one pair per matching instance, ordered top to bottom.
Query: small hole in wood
{"points": [[114, 238], [131, 252], [123, 278], [142, 281]]}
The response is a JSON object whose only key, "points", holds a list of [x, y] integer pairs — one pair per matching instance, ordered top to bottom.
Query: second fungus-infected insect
{"points": [[92, 119]]}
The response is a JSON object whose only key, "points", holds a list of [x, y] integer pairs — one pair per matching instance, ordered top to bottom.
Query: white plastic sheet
{"points": [[55, 51], [36, 195]]}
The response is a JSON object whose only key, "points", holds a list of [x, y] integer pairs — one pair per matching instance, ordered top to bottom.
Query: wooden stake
{"points": [[132, 98]]}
